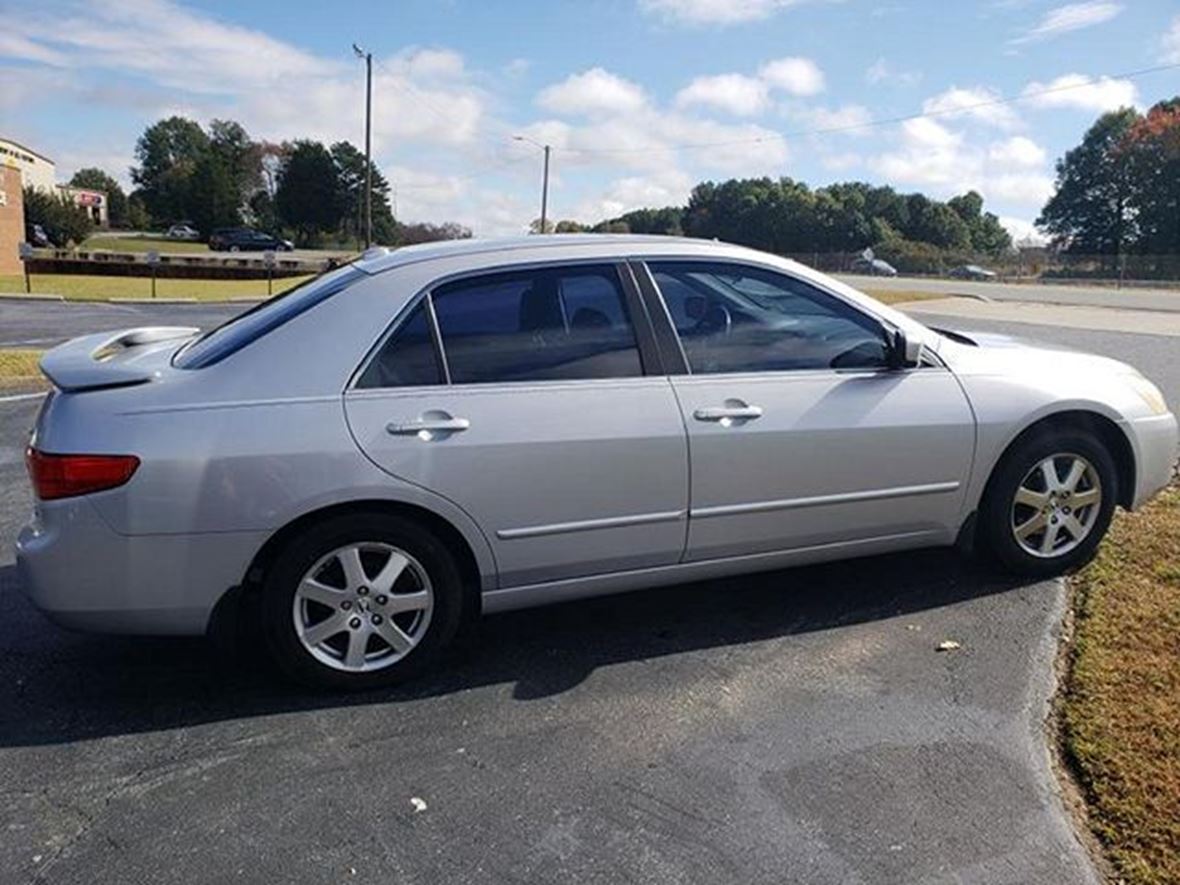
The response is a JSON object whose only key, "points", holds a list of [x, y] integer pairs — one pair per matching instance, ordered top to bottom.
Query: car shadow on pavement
{"points": [[59, 687]]}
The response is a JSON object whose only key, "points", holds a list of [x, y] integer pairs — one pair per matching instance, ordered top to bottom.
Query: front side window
{"points": [[740, 318], [538, 325]]}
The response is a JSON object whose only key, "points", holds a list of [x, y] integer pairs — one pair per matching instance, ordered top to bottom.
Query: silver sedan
{"points": [[366, 461]]}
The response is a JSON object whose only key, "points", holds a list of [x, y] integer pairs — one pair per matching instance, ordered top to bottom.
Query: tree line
{"points": [[220, 176], [787, 217]]}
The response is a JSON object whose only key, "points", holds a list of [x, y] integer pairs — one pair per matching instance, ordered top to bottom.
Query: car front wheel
{"points": [[1050, 502], [361, 601]]}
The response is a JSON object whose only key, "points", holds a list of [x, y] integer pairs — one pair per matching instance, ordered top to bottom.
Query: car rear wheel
{"points": [[1050, 502], [361, 601]]}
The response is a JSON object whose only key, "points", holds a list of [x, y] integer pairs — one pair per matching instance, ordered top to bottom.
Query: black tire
{"points": [[995, 526], [308, 547]]}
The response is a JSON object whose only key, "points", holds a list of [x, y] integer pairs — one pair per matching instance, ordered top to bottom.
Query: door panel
{"points": [[521, 396], [799, 432], [832, 457], [565, 479]]}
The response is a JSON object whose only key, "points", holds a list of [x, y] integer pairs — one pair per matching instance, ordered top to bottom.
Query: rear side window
{"points": [[540, 325], [230, 337], [407, 358]]}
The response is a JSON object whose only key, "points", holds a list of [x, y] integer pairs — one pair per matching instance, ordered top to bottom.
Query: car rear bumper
{"points": [[1155, 440], [84, 575]]}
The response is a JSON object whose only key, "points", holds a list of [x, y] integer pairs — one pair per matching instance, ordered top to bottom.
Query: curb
{"points": [[30, 296], [150, 300]]}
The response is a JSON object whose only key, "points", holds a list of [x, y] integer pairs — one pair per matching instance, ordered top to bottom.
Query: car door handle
{"points": [[728, 413], [429, 425]]}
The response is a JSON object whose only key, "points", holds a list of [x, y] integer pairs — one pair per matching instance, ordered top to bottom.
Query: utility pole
{"points": [[368, 57], [544, 181]]}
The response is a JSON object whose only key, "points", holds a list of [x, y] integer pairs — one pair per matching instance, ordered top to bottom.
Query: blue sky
{"points": [[640, 99]]}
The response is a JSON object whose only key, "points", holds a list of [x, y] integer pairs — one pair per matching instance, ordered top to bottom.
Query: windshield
{"points": [[230, 337]]}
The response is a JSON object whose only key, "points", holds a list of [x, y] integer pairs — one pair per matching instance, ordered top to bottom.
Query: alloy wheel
{"points": [[1056, 505], [363, 607]]}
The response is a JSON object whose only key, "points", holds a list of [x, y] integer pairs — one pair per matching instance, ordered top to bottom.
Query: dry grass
{"points": [[82, 287], [900, 296], [18, 370], [1121, 707]]}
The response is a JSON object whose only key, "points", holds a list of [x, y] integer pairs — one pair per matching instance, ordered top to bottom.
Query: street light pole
{"points": [[368, 57], [544, 181], [545, 193]]}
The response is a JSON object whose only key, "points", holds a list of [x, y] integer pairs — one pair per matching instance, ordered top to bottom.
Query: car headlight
{"points": [[1149, 393]]}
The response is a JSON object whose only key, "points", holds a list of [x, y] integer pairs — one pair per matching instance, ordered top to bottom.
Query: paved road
{"points": [[1090, 295], [45, 323], [797, 726]]}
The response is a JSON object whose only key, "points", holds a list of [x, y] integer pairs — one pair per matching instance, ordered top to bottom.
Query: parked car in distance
{"points": [[183, 232], [35, 236], [245, 239], [875, 267], [972, 272], [423, 435]]}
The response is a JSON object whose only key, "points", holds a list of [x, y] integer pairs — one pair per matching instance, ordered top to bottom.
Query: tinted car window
{"points": [[739, 318], [537, 325], [230, 337], [407, 358]]}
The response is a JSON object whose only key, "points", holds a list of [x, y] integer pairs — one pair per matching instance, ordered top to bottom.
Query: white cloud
{"points": [[719, 12], [1071, 17], [1170, 43], [16, 46], [882, 71], [795, 76], [592, 92], [734, 93], [1084, 93], [978, 103], [853, 118], [1017, 151], [933, 157], [841, 162], [1022, 231]]}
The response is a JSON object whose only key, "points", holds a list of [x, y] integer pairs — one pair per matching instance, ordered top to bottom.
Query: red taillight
{"points": [[63, 476]]}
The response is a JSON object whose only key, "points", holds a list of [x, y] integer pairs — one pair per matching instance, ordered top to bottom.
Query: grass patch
{"points": [[141, 243], [81, 287], [900, 296], [18, 370], [1121, 706]]}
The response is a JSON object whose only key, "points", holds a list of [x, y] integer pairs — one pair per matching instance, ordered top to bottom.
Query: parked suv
{"points": [[245, 239]]}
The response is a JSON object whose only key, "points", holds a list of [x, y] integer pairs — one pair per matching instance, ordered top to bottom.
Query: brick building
{"points": [[12, 219]]}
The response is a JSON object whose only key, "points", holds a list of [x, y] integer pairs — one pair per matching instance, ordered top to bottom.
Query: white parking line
{"points": [[20, 396]]}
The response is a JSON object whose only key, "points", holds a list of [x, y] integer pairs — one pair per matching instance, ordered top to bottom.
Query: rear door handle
{"points": [[728, 413], [428, 425]]}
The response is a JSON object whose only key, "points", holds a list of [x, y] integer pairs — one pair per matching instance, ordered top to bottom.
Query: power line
{"points": [[869, 124]]}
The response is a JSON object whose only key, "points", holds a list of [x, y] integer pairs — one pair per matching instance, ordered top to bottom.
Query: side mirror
{"points": [[901, 352]]}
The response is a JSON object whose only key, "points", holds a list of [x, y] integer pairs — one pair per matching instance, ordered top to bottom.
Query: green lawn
{"points": [[141, 243], [81, 287]]}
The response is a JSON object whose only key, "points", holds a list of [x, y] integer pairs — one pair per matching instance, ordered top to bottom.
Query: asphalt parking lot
{"points": [[796, 726]]}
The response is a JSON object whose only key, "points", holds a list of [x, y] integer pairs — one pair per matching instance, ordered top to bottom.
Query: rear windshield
{"points": [[230, 337]]}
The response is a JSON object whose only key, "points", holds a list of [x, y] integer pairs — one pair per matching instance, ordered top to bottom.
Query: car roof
{"points": [[380, 258]]}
